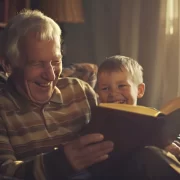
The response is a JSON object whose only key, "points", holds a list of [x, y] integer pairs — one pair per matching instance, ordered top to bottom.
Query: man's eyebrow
{"points": [[32, 61], [35, 61], [121, 81]]}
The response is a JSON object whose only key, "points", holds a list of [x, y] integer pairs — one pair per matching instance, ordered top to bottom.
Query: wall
{"points": [[78, 39]]}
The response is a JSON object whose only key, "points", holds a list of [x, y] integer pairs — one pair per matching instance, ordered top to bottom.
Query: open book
{"points": [[133, 127]]}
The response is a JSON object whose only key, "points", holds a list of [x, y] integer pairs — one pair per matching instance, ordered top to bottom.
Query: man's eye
{"points": [[56, 63], [37, 64], [121, 85]]}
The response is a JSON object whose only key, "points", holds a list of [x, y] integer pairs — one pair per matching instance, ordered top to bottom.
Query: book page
{"points": [[131, 108]]}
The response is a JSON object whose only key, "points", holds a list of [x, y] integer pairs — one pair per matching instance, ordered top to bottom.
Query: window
{"points": [[171, 15]]}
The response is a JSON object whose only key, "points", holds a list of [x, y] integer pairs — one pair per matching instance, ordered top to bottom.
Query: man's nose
{"points": [[49, 74]]}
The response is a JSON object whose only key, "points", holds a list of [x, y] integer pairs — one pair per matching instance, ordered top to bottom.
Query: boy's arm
{"points": [[169, 107]]}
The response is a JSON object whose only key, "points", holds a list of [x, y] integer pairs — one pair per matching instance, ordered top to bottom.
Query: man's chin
{"points": [[38, 96], [40, 100]]}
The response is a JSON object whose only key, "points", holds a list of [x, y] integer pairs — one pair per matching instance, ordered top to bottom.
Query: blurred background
{"points": [[146, 30]]}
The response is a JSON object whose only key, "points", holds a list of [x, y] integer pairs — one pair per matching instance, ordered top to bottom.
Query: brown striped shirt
{"points": [[84, 71], [27, 130]]}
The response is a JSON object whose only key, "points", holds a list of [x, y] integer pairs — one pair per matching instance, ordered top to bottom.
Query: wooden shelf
{"points": [[9, 8]]}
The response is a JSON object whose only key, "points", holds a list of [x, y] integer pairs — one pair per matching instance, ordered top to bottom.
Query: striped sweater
{"points": [[29, 133]]}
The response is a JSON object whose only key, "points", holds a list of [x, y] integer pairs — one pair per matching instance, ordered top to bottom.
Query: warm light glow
{"points": [[171, 9], [64, 11], [171, 15], [171, 30]]}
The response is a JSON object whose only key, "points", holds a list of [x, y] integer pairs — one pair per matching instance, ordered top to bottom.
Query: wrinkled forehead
{"points": [[35, 37], [33, 48]]}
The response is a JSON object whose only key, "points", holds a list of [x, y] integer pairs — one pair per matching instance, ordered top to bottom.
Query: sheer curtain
{"points": [[147, 31], [167, 70]]}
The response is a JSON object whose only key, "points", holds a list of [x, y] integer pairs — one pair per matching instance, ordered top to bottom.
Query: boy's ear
{"points": [[141, 90]]}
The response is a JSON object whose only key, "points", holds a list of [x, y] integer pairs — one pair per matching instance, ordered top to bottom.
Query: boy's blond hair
{"points": [[117, 63]]}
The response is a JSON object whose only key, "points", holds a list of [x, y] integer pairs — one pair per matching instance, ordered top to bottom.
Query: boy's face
{"points": [[118, 87]]}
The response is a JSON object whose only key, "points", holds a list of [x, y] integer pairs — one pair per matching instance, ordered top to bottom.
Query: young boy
{"points": [[120, 80]]}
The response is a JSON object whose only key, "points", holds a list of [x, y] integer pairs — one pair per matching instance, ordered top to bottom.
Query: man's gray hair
{"points": [[19, 26]]}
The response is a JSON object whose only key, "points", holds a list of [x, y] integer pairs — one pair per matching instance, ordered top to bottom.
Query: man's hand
{"points": [[174, 149], [87, 150]]}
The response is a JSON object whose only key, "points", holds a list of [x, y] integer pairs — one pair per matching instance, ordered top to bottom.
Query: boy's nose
{"points": [[114, 92], [112, 95], [115, 95]]}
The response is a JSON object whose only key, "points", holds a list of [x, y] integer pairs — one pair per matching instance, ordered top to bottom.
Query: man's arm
{"points": [[59, 164], [12, 167], [33, 169]]}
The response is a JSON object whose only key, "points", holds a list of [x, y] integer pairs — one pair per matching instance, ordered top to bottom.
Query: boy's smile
{"points": [[118, 87]]}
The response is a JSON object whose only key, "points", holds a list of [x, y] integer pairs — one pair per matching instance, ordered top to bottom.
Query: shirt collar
{"points": [[57, 96]]}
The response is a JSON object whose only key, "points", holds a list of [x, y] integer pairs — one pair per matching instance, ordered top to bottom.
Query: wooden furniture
{"points": [[4, 4], [8, 8]]}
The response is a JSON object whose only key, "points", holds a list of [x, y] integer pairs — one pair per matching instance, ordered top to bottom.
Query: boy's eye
{"points": [[105, 89]]}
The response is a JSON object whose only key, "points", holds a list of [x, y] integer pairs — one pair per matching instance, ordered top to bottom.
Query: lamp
{"points": [[9, 8], [63, 11]]}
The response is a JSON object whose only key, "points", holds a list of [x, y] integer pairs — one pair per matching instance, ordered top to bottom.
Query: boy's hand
{"points": [[174, 149], [82, 153]]}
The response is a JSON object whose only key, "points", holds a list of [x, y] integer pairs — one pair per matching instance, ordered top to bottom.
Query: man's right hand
{"points": [[87, 150]]}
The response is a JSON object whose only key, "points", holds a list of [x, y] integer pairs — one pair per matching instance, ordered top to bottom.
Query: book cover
{"points": [[133, 127]]}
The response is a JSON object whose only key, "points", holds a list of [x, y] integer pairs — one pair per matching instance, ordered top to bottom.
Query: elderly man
{"points": [[40, 114]]}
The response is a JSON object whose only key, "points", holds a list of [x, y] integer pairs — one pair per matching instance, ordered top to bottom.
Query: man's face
{"points": [[41, 69], [118, 87]]}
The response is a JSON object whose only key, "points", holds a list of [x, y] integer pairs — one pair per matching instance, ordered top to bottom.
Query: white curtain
{"points": [[169, 60], [166, 76]]}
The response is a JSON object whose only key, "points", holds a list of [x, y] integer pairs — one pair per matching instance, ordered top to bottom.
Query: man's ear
{"points": [[6, 66], [141, 90]]}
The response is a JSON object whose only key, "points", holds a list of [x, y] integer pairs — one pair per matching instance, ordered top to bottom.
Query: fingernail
{"points": [[101, 136], [106, 156]]}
